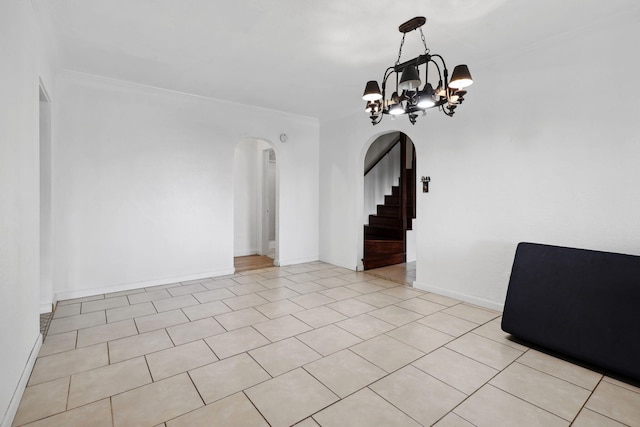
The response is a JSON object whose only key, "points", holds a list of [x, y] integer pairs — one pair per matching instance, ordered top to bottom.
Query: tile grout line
{"points": [[304, 367], [499, 371], [555, 376], [487, 381], [518, 397], [584, 404], [254, 405]]}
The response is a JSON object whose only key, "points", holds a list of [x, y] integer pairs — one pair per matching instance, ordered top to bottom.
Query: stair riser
{"points": [[392, 200], [392, 211], [383, 221], [380, 233], [372, 248]]}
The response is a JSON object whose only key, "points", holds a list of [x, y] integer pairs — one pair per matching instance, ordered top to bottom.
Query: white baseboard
{"points": [[246, 252], [294, 261], [358, 267], [81, 293], [493, 305], [46, 307], [22, 384]]}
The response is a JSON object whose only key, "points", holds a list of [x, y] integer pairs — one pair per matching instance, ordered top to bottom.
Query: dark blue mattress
{"points": [[582, 303]]}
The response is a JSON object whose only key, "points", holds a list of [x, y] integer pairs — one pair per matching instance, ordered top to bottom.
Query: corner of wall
{"points": [[10, 414]]}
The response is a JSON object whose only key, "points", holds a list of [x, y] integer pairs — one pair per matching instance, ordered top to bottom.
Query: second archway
{"points": [[389, 201]]}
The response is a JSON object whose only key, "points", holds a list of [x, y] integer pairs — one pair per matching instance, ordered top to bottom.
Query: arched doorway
{"points": [[255, 194], [389, 201]]}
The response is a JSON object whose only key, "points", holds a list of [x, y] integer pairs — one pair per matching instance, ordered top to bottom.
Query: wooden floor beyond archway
{"points": [[251, 262]]}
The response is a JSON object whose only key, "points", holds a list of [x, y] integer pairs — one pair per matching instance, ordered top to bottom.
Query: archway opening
{"points": [[389, 201], [255, 204]]}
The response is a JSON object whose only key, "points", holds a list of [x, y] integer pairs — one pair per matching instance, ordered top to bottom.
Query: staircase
{"points": [[385, 235]]}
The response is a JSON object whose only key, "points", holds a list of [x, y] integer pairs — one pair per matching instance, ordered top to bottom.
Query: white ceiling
{"points": [[301, 56]]}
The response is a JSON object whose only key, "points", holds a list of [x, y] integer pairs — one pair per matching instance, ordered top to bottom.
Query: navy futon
{"points": [[582, 303]]}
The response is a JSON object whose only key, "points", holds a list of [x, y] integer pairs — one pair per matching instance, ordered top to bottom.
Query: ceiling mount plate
{"points": [[412, 24]]}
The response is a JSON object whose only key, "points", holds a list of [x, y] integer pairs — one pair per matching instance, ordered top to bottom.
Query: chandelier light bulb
{"points": [[426, 97], [426, 102], [396, 109]]}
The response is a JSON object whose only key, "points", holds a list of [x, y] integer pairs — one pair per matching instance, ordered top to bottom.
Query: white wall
{"points": [[22, 66], [545, 149], [143, 184]]}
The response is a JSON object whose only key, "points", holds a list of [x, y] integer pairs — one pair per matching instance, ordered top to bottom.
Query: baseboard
{"points": [[247, 252], [294, 261], [358, 267], [81, 293], [461, 296], [22, 384]]}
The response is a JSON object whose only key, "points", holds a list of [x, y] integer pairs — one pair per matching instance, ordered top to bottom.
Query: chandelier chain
{"points": [[424, 42], [400, 51]]}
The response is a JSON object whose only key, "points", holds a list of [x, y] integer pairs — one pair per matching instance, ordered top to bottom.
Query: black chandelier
{"points": [[408, 98]]}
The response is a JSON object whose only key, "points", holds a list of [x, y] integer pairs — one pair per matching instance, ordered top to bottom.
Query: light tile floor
{"points": [[404, 273], [311, 345]]}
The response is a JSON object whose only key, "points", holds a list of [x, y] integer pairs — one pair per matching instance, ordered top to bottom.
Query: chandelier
{"points": [[409, 96]]}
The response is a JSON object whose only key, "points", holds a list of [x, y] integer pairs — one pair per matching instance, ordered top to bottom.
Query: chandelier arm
{"points": [[438, 56], [444, 65], [437, 68], [387, 73], [444, 110]]}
